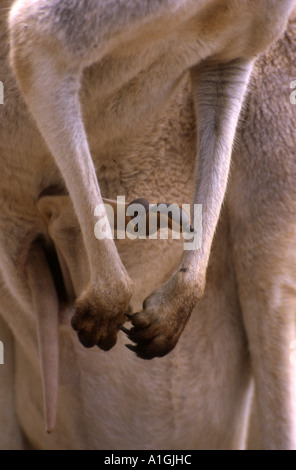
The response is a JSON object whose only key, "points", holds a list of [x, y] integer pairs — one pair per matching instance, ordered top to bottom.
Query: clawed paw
{"points": [[98, 324], [91, 330], [156, 330]]}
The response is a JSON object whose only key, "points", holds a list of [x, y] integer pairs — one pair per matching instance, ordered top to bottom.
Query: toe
{"points": [[141, 320], [86, 339], [106, 343]]}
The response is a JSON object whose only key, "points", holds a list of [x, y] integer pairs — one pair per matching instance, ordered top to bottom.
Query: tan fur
{"points": [[51, 45], [198, 396]]}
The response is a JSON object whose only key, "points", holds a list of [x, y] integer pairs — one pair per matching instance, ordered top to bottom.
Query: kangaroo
{"points": [[142, 50], [197, 396]]}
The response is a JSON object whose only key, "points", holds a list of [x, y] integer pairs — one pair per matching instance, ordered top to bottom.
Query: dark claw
{"points": [[125, 330], [130, 333], [131, 347], [140, 352]]}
